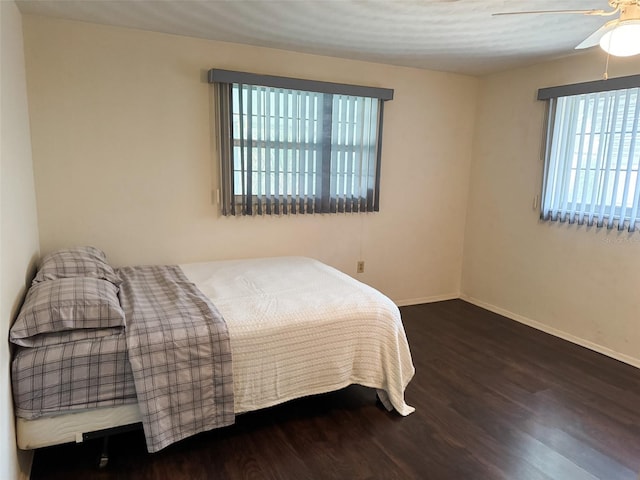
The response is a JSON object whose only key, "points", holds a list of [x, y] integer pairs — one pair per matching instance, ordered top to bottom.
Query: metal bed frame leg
{"points": [[104, 434], [104, 454]]}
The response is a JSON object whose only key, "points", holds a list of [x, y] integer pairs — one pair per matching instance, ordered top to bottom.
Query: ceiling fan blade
{"points": [[584, 12], [594, 39]]}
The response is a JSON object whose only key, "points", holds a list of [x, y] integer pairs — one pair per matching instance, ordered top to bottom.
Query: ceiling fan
{"points": [[619, 37]]}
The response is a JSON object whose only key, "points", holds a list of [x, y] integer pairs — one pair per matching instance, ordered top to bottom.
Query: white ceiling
{"points": [[449, 35]]}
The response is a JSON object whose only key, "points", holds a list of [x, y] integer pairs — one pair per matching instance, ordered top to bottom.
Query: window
{"points": [[297, 146], [593, 154]]}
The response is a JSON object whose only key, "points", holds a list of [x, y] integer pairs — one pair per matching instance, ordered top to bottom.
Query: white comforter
{"points": [[299, 327]]}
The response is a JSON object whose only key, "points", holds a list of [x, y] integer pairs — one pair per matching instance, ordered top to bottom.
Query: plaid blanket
{"points": [[180, 355]]}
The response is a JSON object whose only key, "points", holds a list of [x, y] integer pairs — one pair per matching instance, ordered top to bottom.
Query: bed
{"points": [[296, 327]]}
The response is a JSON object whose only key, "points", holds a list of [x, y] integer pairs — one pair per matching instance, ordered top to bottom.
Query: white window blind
{"points": [[286, 150], [593, 158]]}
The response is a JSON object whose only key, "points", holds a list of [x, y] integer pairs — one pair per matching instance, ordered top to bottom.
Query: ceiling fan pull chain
{"points": [[606, 68]]}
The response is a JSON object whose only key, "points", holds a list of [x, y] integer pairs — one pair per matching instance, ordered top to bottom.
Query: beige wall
{"points": [[122, 158], [18, 222], [577, 282]]}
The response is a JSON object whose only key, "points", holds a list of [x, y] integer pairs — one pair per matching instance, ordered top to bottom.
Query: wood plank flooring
{"points": [[494, 400]]}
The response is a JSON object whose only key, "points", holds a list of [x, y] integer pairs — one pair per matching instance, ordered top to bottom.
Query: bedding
{"points": [[76, 262], [81, 304], [296, 327], [299, 327], [66, 336], [178, 347], [72, 376]]}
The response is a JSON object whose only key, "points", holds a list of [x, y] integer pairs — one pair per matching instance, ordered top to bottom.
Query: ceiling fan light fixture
{"points": [[623, 40]]}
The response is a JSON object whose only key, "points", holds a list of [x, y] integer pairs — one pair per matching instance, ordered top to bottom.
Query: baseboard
{"points": [[434, 298], [635, 362]]}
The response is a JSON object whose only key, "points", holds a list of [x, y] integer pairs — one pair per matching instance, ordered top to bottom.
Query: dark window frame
{"points": [[323, 201], [595, 210]]}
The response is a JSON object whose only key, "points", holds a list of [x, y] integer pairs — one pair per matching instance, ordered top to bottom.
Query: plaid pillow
{"points": [[76, 262], [66, 304], [66, 336]]}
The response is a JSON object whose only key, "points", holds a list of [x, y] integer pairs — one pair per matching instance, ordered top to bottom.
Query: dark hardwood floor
{"points": [[494, 400]]}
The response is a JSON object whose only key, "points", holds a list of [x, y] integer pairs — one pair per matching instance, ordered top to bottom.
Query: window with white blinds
{"points": [[311, 149], [593, 159]]}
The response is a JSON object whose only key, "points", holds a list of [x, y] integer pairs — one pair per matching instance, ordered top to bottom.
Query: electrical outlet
{"points": [[360, 267]]}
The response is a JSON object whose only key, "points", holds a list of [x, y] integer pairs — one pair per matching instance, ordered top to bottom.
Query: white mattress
{"points": [[297, 328]]}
